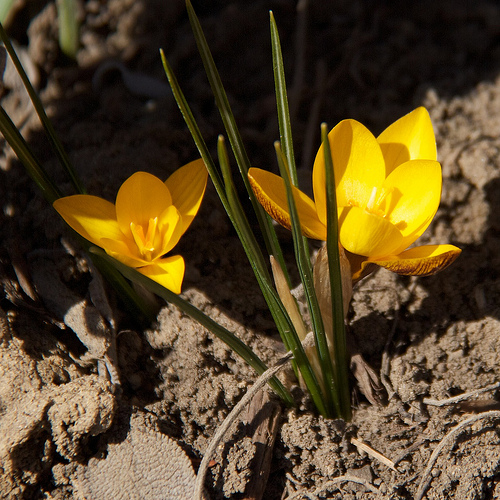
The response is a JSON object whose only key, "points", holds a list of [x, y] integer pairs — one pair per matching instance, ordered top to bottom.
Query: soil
{"points": [[428, 338]]}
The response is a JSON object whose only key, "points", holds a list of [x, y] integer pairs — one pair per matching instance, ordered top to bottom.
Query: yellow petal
{"points": [[409, 138], [358, 166], [187, 187], [270, 191], [415, 193], [140, 198], [90, 216], [171, 228], [367, 234], [124, 250], [420, 261], [168, 272]]}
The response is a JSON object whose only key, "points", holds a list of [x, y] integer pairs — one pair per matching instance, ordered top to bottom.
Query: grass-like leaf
{"points": [[5, 6], [68, 27], [282, 102], [46, 123], [233, 134], [27, 158], [289, 173], [223, 186], [225, 189], [51, 192], [248, 239], [306, 275], [341, 368]]}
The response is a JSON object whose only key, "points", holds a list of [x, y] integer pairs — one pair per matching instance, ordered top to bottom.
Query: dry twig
{"points": [[461, 397], [373, 453], [333, 483]]}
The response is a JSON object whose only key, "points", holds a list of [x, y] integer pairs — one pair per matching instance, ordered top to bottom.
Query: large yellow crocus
{"points": [[388, 191], [145, 223]]}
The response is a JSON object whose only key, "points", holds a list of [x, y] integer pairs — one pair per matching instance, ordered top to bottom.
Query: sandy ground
{"points": [[69, 430]]}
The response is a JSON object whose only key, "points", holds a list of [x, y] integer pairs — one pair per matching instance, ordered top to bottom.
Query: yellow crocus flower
{"points": [[388, 191], [145, 223]]}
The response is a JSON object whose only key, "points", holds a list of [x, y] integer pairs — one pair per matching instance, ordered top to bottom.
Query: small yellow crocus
{"points": [[388, 190], [145, 223]]}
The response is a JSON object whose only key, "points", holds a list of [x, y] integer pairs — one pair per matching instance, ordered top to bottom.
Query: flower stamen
{"points": [[377, 204], [371, 206], [145, 242]]}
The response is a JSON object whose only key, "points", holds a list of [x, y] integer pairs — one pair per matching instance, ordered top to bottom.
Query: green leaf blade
{"points": [[284, 123], [233, 134], [55, 143], [35, 170], [306, 276], [339, 335]]}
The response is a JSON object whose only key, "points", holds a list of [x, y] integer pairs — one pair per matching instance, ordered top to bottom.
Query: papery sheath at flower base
{"points": [[388, 190], [145, 223]]}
